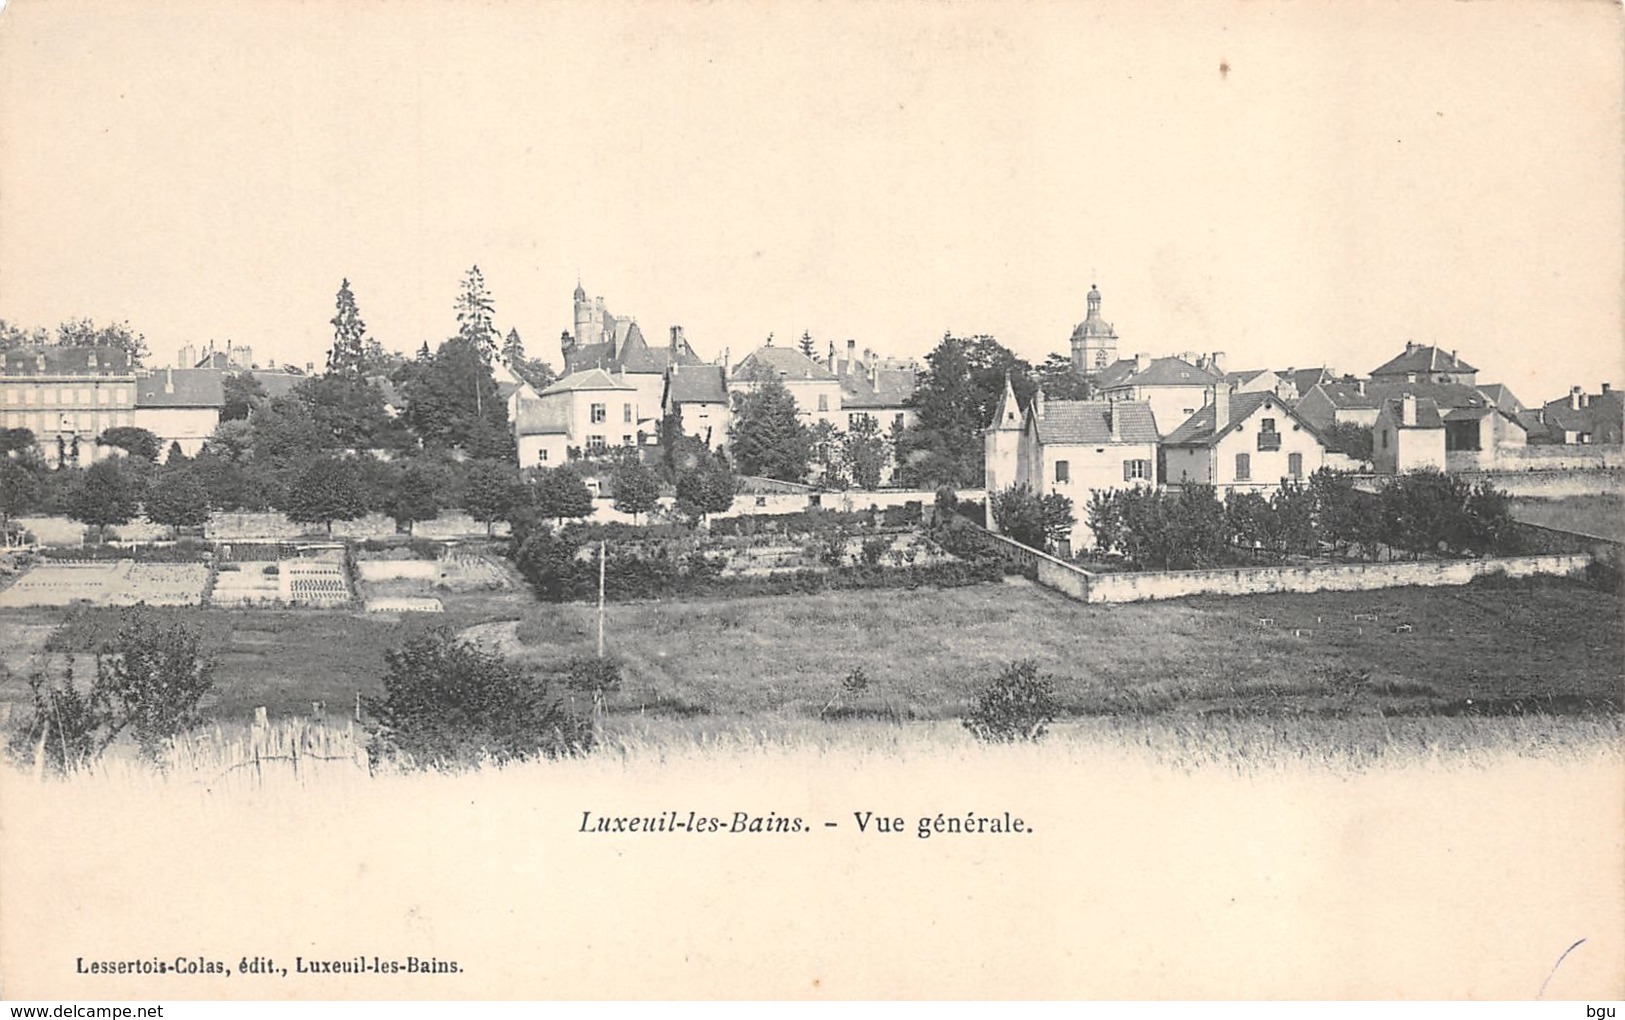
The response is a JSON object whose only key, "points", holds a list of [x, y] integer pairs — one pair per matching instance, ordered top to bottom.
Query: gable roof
{"points": [[630, 353], [1419, 358], [784, 362], [1161, 372], [591, 379], [1306, 379], [278, 382], [696, 384], [891, 386], [181, 387], [1344, 393], [1444, 395], [1502, 397], [1600, 414], [1089, 422], [1198, 429]]}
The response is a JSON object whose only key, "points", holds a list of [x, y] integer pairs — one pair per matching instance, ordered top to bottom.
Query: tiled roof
{"points": [[634, 354], [1424, 359], [67, 361], [783, 362], [1161, 372], [1244, 377], [591, 379], [1306, 379], [278, 382], [697, 384], [892, 386], [181, 387], [1344, 394], [1444, 395], [1502, 397], [1427, 413], [1600, 414], [542, 417], [1084, 422], [1198, 430]]}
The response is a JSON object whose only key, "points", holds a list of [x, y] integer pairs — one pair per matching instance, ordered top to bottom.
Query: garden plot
{"points": [[759, 557], [108, 583], [247, 583], [394, 585]]}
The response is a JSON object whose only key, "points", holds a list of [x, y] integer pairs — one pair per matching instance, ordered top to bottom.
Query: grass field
{"points": [[1600, 514], [776, 664]]}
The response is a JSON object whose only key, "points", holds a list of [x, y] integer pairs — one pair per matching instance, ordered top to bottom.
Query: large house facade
{"points": [[67, 396], [1242, 442]]}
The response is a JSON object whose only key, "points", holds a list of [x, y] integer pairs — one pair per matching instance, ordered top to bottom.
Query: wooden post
{"points": [[601, 598]]}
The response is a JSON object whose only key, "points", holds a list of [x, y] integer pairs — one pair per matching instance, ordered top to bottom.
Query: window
{"points": [[84, 395], [102, 395], [28, 397], [823, 401], [600, 413], [626, 413], [897, 420], [1267, 424], [1268, 438], [1385, 439], [626, 440], [596, 442], [541, 456], [1294, 465], [1244, 467], [1133, 469], [1063, 471], [761, 501]]}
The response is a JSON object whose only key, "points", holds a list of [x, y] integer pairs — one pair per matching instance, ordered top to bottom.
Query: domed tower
{"points": [[1094, 342]]}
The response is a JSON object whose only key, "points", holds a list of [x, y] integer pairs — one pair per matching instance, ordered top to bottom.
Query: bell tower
{"points": [[1094, 341]]}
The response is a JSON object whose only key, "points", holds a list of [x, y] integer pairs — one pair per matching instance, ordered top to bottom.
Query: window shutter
{"points": [[1128, 470]]}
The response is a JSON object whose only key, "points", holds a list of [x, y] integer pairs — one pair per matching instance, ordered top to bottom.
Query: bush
{"points": [[1604, 571], [149, 681], [1018, 704], [448, 705]]}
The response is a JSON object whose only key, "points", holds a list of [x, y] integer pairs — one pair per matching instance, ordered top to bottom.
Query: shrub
{"points": [[1604, 571], [149, 681], [1018, 704], [447, 705]]}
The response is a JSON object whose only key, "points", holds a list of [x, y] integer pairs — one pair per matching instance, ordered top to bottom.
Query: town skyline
{"points": [[1230, 179]]}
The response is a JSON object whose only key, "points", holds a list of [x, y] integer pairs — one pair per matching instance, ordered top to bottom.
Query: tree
{"points": [[475, 325], [85, 333], [13, 336], [805, 344], [513, 350], [348, 355], [1058, 380], [244, 394], [452, 401], [953, 403], [346, 410], [766, 436], [1348, 438], [14, 441], [137, 442], [863, 450], [826, 453], [175, 455], [637, 489], [707, 489], [19, 492], [324, 492], [492, 492], [414, 493], [561, 493], [107, 495], [177, 498], [1019, 516], [149, 682], [448, 704], [1017, 704]]}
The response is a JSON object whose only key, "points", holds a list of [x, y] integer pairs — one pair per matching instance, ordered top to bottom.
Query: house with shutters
{"points": [[815, 387], [699, 394], [67, 396], [584, 413], [1241, 441], [1071, 447]]}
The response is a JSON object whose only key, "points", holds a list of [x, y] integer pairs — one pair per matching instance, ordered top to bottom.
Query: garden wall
{"points": [[1550, 483], [1152, 585]]}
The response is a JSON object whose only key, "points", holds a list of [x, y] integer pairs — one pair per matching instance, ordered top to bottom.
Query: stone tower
{"points": [[583, 319], [1094, 342], [1001, 445]]}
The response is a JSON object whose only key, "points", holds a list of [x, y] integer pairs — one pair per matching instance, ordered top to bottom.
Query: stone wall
{"points": [[1546, 457], [1151, 585]]}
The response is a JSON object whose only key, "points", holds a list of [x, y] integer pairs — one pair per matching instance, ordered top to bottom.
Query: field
{"points": [[1600, 514]]}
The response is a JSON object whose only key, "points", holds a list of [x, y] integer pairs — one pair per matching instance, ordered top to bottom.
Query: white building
{"points": [[587, 412], [1242, 441]]}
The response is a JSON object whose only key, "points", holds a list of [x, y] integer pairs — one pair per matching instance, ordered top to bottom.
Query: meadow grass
{"points": [[1601, 514]]}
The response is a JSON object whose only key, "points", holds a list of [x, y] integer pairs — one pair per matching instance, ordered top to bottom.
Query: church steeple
{"points": [[1094, 342]]}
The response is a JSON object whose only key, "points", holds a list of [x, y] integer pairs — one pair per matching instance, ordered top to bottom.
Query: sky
{"points": [[1293, 184]]}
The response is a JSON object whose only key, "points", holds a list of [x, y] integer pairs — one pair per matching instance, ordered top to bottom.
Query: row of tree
{"points": [[1422, 512]]}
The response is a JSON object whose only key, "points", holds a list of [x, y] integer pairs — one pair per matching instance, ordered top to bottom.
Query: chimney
{"points": [[676, 337], [1410, 345], [851, 355], [1452, 355], [727, 356], [868, 356], [830, 357], [90, 360], [1142, 361], [1217, 362], [310, 368], [169, 380], [1359, 385], [1606, 387], [1574, 398], [1038, 402], [1221, 405], [1407, 409], [1114, 422]]}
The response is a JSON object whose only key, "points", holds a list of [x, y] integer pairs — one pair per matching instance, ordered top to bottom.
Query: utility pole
{"points": [[600, 598]]}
